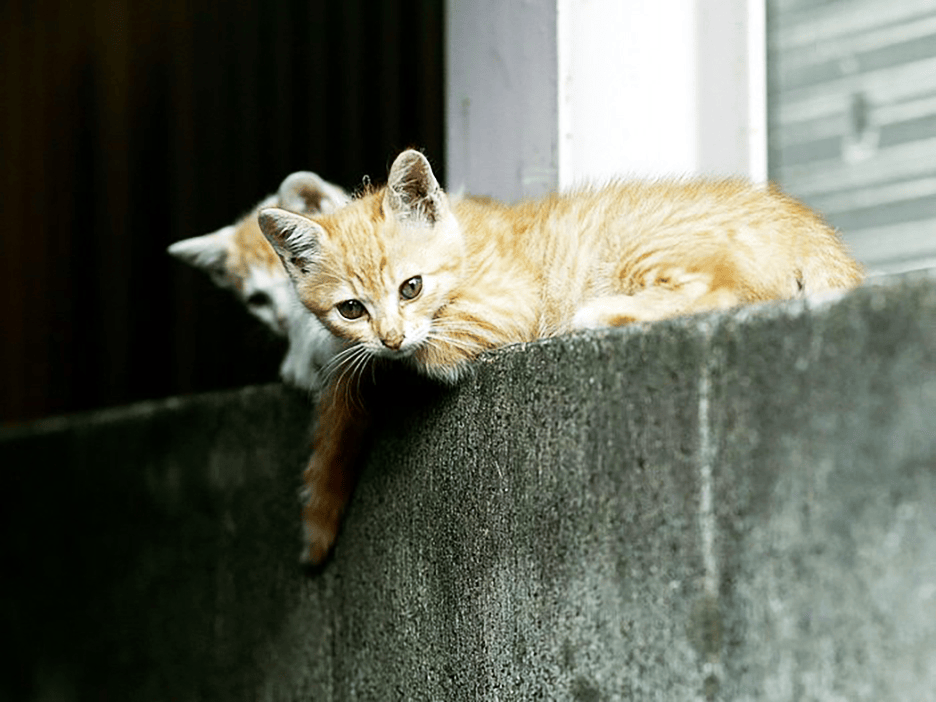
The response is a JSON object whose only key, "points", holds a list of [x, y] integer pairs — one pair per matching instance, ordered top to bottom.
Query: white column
{"points": [[543, 94], [502, 99]]}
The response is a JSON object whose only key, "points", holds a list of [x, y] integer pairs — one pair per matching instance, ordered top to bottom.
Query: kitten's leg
{"points": [[650, 304], [332, 473]]}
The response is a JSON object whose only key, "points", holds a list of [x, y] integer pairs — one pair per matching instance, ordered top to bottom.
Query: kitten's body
{"points": [[238, 257], [402, 273]]}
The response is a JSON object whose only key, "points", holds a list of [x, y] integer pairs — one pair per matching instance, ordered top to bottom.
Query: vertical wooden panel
{"points": [[127, 126], [14, 247]]}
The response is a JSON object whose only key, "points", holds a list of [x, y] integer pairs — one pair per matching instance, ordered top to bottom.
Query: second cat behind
{"points": [[238, 258]]}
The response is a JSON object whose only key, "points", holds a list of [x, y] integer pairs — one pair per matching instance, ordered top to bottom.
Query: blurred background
{"points": [[852, 121], [126, 126]]}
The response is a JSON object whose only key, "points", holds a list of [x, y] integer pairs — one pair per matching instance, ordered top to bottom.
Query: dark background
{"points": [[126, 126]]}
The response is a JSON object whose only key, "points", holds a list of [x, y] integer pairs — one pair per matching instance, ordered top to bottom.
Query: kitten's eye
{"points": [[411, 288], [258, 299], [350, 309]]}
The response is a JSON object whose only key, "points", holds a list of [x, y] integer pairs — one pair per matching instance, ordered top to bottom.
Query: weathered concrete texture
{"points": [[826, 498], [730, 507], [149, 554]]}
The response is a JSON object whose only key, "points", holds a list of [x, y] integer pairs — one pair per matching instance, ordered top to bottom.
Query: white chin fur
{"points": [[380, 351], [450, 375]]}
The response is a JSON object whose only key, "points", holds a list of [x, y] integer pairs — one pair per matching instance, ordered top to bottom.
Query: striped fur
{"points": [[491, 275]]}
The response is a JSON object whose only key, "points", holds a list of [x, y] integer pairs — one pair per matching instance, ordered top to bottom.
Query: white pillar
{"points": [[546, 93], [502, 98]]}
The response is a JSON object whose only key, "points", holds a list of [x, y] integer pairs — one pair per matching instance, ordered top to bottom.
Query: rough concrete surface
{"points": [[726, 507], [149, 554]]}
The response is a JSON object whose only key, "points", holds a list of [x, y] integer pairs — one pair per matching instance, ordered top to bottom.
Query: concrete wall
{"points": [[726, 507]]}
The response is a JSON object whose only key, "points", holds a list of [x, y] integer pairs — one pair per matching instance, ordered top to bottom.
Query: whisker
{"points": [[452, 323], [464, 327], [464, 334], [477, 338], [460, 344], [340, 358], [354, 363], [360, 364], [338, 365], [338, 370], [351, 373]]}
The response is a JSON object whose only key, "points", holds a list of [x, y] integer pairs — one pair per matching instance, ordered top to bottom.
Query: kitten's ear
{"points": [[304, 191], [413, 193], [294, 237], [209, 253]]}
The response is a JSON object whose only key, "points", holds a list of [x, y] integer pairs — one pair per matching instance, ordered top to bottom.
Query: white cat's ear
{"points": [[305, 191], [413, 193], [294, 237], [209, 253]]}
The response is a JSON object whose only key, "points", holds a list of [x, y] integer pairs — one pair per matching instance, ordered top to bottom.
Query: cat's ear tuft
{"points": [[305, 191], [413, 193], [294, 237], [208, 252]]}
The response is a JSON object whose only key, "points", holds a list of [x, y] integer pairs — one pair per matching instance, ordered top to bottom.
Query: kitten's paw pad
{"points": [[317, 543], [314, 554], [313, 557]]}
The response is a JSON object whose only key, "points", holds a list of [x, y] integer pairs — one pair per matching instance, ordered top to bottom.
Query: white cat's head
{"points": [[238, 257], [378, 271]]}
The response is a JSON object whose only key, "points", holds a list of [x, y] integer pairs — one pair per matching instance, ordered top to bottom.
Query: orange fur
{"points": [[249, 248], [490, 275], [331, 474]]}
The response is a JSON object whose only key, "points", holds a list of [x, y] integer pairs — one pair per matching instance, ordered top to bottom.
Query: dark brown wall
{"points": [[126, 126]]}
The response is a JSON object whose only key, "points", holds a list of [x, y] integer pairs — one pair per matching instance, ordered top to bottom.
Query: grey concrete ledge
{"points": [[732, 507]]}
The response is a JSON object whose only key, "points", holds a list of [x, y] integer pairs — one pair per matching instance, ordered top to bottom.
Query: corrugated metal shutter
{"points": [[852, 125]]}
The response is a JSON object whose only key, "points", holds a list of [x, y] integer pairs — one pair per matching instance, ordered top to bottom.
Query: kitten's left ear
{"points": [[305, 191], [413, 193], [294, 237], [209, 253]]}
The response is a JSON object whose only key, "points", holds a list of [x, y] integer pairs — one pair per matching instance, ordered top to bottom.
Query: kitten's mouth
{"points": [[405, 350], [402, 352]]}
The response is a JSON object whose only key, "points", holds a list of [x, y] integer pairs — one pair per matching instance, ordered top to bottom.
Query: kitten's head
{"points": [[239, 258], [378, 271]]}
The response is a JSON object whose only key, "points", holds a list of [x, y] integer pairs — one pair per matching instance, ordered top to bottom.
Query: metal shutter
{"points": [[852, 120]]}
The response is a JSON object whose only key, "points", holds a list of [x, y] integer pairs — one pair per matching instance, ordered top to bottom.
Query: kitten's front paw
{"points": [[595, 315], [585, 318]]}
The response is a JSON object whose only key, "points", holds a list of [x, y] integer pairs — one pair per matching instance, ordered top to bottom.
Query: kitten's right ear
{"points": [[305, 191], [413, 193], [294, 237], [208, 252]]}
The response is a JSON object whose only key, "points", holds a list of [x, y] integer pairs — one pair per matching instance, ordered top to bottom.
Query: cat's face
{"points": [[239, 258], [378, 271]]}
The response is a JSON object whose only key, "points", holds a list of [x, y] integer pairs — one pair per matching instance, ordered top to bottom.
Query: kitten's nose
{"points": [[392, 341]]}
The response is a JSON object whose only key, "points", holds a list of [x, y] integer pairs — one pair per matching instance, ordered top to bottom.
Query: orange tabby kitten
{"points": [[404, 273]]}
